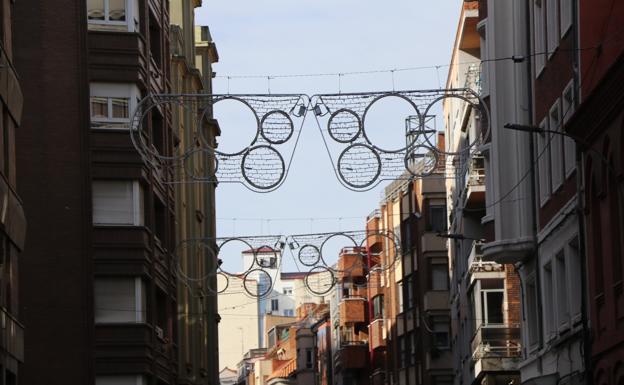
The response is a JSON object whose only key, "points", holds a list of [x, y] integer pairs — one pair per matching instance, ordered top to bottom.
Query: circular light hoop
{"points": [[388, 95], [460, 97], [255, 114], [265, 132], [337, 135], [278, 158], [428, 169], [191, 172], [371, 179], [336, 235], [392, 239], [245, 243], [190, 245], [309, 251], [257, 252], [315, 271], [216, 290], [258, 295]]}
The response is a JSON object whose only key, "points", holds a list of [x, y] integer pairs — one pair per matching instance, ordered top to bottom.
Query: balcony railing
{"points": [[473, 78], [476, 263], [496, 341]]}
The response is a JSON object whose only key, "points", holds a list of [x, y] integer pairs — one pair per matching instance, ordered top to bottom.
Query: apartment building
{"points": [[192, 55], [597, 124], [533, 182], [13, 220], [102, 220], [409, 285], [484, 295], [277, 297], [349, 317]]}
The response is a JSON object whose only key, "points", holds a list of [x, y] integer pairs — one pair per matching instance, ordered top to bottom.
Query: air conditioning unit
{"points": [[159, 332]]}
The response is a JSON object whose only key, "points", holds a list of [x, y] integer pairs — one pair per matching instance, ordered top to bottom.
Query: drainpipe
{"points": [[587, 342]]}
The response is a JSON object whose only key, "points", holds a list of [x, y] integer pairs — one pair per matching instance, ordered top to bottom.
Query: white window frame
{"points": [[565, 15], [131, 24], [552, 26], [539, 36], [110, 91], [568, 106], [556, 146], [543, 160], [137, 204], [573, 265], [562, 290], [548, 293], [139, 302], [484, 305], [531, 316]]}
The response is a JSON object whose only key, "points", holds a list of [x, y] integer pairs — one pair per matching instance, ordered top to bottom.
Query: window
{"points": [[565, 7], [552, 14], [113, 15], [539, 36], [155, 39], [112, 104], [568, 105], [556, 147], [543, 156], [117, 203], [437, 218], [268, 262], [574, 262], [439, 276], [288, 291], [409, 292], [400, 295], [119, 300], [378, 304], [274, 305], [492, 306], [531, 311], [289, 312], [563, 315], [549, 322], [440, 327], [402, 352], [309, 359], [121, 380]]}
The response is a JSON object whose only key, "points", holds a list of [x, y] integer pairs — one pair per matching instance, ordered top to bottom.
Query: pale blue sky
{"points": [[273, 37]]}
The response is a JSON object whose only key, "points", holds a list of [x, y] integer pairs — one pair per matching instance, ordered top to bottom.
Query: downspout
{"points": [[587, 347]]}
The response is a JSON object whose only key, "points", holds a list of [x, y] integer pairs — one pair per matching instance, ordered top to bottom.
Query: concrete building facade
{"points": [[192, 55], [104, 233], [485, 295]]}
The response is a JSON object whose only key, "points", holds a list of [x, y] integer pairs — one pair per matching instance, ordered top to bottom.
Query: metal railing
{"points": [[496, 341]]}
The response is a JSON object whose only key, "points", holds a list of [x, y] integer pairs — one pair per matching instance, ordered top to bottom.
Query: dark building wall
{"points": [[52, 154], [61, 154]]}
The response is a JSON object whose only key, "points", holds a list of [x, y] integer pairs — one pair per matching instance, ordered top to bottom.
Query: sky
{"points": [[283, 37]]}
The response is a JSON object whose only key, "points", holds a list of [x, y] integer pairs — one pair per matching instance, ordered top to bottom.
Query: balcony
{"points": [[474, 182], [432, 243], [351, 262], [476, 263], [375, 283], [436, 300], [352, 310], [377, 333], [12, 335], [496, 341], [352, 355]]}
